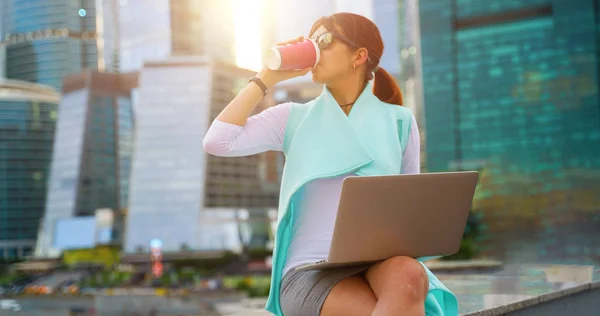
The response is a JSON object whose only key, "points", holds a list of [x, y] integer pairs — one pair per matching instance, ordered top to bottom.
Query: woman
{"points": [[353, 128]]}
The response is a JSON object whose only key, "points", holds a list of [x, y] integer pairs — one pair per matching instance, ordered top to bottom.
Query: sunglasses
{"points": [[326, 39]]}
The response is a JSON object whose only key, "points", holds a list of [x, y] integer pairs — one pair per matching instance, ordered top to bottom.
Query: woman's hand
{"points": [[272, 77], [241, 107]]}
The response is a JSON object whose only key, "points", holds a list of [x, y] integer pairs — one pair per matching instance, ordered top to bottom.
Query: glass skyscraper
{"points": [[389, 16], [398, 22], [160, 28], [46, 40], [186, 50], [512, 88], [27, 123], [125, 142], [92, 151], [179, 194]]}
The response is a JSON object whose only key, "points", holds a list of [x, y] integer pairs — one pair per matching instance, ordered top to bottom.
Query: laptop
{"points": [[416, 215]]}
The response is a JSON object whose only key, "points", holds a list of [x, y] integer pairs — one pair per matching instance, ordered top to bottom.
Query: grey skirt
{"points": [[304, 292]]}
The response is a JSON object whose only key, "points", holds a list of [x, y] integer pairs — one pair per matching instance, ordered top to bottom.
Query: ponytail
{"points": [[386, 89]]}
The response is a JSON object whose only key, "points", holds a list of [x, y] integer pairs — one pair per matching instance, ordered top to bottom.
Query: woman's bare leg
{"points": [[400, 285], [352, 296]]}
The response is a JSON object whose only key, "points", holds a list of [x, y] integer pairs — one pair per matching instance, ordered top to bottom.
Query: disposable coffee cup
{"points": [[302, 55]]}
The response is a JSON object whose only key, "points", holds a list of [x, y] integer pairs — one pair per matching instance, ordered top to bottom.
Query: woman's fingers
{"points": [[292, 41], [304, 71], [289, 74]]}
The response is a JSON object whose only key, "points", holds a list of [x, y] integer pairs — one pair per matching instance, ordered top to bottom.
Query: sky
{"points": [[294, 18], [248, 33]]}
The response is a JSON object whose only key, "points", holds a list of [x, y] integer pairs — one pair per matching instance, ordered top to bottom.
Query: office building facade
{"points": [[389, 17], [398, 22], [174, 28], [46, 40], [511, 88], [27, 125], [92, 152], [179, 194]]}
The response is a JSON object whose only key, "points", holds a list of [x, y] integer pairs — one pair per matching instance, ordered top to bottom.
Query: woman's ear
{"points": [[361, 56]]}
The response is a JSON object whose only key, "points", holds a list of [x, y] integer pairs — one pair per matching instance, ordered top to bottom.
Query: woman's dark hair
{"points": [[364, 33]]}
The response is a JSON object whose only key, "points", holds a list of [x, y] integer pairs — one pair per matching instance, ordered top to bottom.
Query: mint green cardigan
{"points": [[322, 142]]}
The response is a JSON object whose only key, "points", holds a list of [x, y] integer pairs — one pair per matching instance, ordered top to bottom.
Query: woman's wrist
{"points": [[265, 76]]}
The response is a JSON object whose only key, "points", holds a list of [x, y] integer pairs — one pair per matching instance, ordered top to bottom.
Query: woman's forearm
{"points": [[240, 108]]}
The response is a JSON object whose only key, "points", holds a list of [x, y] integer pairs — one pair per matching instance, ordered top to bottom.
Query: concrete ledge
{"points": [[463, 265], [515, 290], [579, 300], [543, 304], [246, 307], [258, 312]]}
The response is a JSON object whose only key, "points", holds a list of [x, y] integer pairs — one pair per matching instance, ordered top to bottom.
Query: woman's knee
{"points": [[406, 269], [399, 273]]}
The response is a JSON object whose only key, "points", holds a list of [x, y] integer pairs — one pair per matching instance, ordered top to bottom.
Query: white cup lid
{"points": [[274, 59]]}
